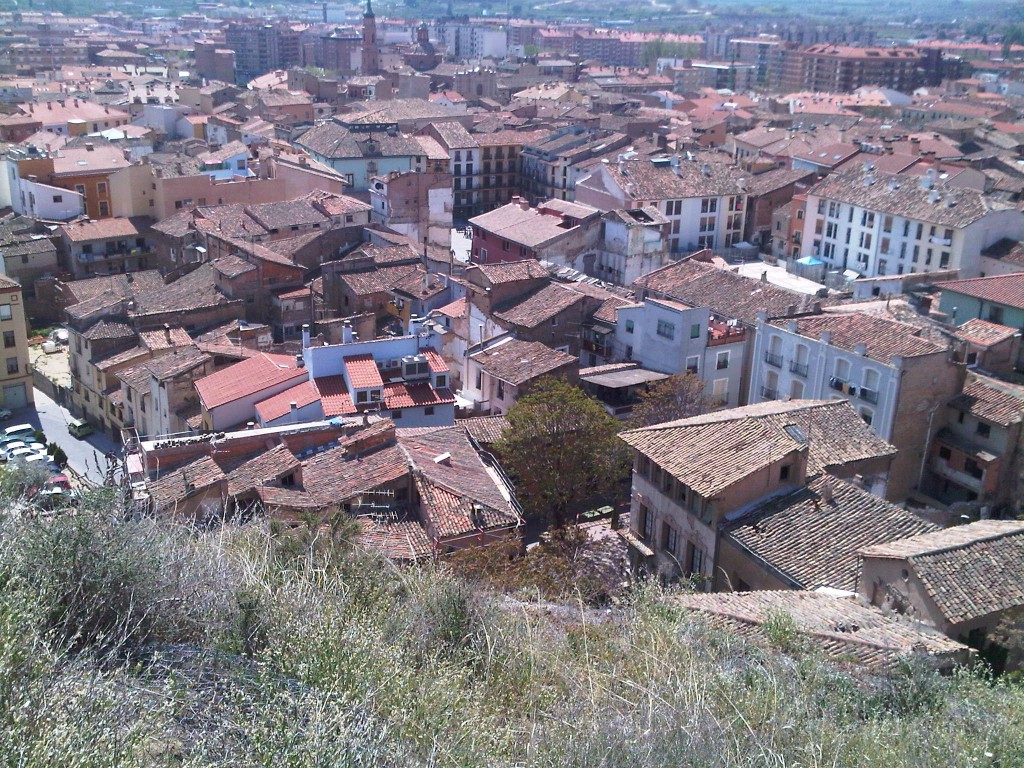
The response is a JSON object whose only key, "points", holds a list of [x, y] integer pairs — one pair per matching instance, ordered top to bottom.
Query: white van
{"points": [[20, 430]]}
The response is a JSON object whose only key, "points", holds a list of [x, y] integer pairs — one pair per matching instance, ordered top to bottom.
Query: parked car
{"points": [[5, 414], [79, 428], [20, 431], [22, 454], [59, 481]]}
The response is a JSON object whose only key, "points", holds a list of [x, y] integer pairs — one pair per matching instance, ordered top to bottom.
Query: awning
{"points": [[635, 542]]}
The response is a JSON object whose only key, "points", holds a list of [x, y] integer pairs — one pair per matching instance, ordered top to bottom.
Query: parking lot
{"points": [[86, 457]]}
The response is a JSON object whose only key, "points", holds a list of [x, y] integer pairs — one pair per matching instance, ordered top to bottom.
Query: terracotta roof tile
{"points": [[998, 289], [726, 293], [539, 307], [884, 339], [516, 362], [362, 371], [247, 377], [302, 394], [401, 395], [334, 396], [990, 400], [266, 468], [174, 487], [815, 541], [966, 570], [842, 627]]}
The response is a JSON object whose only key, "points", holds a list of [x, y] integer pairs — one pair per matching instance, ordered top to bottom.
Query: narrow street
{"points": [[87, 457]]}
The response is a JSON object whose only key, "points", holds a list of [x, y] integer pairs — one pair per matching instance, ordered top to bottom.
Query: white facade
{"points": [[42, 201], [877, 243], [629, 251], [788, 366]]}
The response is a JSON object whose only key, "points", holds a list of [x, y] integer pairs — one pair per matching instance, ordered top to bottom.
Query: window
{"points": [[101, 187], [80, 189], [58, 198], [104, 208], [5, 312], [995, 315], [629, 326], [666, 329], [695, 331], [9, 340], [722, 361], [693, 364], [12, 365], [479, 379], [442, 381], [501, 389], [720, 392], [361, 397], [429, 410], [396, 413], [982, 430], [944, 453], [971, 467], [784, 472], [646, 523], [669, 538], [695, 559]]}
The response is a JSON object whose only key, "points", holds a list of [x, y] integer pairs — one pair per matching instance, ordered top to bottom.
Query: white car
{"points": [[5, 414], [8, 448], [21, 453]]}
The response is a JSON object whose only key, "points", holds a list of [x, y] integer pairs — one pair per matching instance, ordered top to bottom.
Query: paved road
{"points": [[87, 457]]}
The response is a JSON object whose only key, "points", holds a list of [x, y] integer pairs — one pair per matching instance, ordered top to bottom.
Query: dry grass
{"points": [[136, 643]]}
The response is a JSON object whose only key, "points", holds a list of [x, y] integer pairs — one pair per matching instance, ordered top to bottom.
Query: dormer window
{"points": [[442, 381]]}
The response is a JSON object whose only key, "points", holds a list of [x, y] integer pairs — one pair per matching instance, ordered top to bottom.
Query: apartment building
{"points": [[842, 69], [553, 163], [705, 203], [418, 205], [878, 224], [561, 232], [105, 247], [675, 338], [15, 376], [896, 379], [975, 454], [772, 460]]}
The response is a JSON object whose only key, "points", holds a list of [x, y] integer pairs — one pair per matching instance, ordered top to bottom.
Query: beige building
{"points": [[15, 376], [685, 495], [963, 580]]}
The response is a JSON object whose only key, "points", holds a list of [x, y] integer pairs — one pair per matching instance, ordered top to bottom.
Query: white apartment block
{"points": [[704, 203], [881, 225]]}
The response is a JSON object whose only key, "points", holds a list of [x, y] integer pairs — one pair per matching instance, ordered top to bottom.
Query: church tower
{"points": [[371, 56]]}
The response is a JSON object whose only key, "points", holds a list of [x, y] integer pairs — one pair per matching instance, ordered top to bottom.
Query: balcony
{"points": [[772, 359], [800, 369], [769, 394], [869, 395]]}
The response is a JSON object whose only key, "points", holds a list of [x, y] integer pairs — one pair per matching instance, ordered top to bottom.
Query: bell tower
{"points": [[371, 56]]}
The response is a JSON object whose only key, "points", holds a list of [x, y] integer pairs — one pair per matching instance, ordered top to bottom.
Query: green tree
{"points": [[677, 397], [561, 448]]}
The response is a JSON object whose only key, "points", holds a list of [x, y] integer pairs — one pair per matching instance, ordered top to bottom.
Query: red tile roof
{"points": [[999, 289], [458, 308], [984, 333], [436, 362], [362, 372], [248, 377], [401, 395], [334, 396], [278, 405]]}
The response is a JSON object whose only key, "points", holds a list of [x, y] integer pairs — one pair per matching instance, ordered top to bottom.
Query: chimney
{"points": [[915, 146], [524, 204], [167, 332], [346, 332], [305, 336], [826, 337], [860, 349], [300, 362], [293, 408], [250, 425], [826, 491]]}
